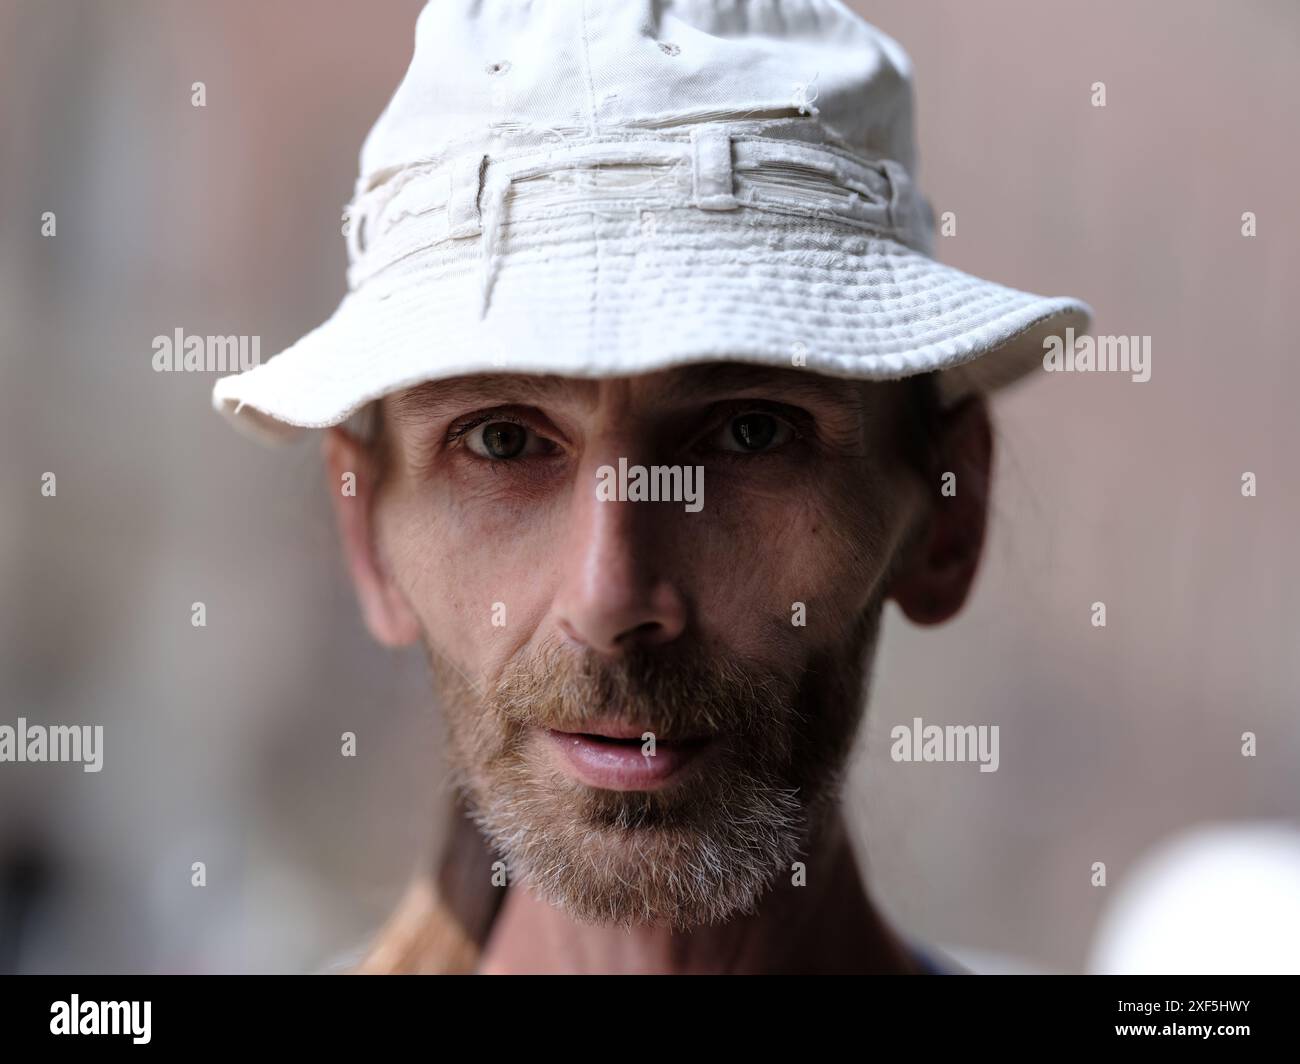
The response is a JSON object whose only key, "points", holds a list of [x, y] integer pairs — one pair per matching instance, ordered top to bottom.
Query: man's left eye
{"points": [[752, 433]]}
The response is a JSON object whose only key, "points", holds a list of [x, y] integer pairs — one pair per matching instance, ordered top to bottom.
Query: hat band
{"points": [[424, 205]]}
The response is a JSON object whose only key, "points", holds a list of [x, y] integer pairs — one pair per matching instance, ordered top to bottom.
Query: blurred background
{"points": [[222, 743]]}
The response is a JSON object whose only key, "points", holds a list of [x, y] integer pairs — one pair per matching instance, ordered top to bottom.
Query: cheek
{"points": [[794, 570], [478, 578]]}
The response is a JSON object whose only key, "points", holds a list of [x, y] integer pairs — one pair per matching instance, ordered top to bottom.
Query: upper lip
{"points": [[612, 730], [615, 730]]}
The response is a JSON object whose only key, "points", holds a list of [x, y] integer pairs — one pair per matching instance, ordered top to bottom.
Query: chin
{"points": [[698, 853]]}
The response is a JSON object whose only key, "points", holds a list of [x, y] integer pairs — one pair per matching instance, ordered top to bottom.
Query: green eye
{"points": [[754, 432], [500, 438], [504, 439]]}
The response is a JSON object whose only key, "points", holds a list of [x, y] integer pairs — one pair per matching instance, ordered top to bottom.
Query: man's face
{"points": [[564, 625]]}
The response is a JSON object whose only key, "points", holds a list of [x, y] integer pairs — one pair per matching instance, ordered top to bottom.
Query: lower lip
{"points": [[621, 766]]}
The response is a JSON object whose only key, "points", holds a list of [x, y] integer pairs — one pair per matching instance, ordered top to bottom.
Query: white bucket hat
{"points": [[611, 187]]}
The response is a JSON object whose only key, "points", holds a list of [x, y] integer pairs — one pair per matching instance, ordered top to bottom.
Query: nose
{"points": [[615, 595]]}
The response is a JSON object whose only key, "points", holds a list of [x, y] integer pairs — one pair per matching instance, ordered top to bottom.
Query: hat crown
{"points": [[486, 73], [600, 188]]}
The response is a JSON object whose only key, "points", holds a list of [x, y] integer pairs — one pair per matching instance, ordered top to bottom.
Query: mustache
{"points": [[678, 695]]}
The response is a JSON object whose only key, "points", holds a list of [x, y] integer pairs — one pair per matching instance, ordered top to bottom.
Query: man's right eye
{"points": [[500, 440]]}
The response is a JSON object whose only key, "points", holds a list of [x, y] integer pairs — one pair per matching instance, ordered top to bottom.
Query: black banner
{"points": [[1222, 1014]]}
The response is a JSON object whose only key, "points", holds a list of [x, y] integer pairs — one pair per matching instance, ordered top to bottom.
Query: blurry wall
{"points": [[222, 743]]}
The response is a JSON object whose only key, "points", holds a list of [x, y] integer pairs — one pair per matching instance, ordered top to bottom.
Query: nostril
{"points": [[645, 630]]}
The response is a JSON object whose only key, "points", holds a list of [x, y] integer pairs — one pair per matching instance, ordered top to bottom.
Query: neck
{"points": [[827, 926]]}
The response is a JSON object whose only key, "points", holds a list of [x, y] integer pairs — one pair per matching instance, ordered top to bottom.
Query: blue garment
{"points": [[932, 962]]}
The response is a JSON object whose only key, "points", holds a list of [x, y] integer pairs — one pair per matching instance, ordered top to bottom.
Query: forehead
{"points": [[690, 385]]}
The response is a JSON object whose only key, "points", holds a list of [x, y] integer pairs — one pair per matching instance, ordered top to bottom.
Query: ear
{"points": [[936, 573], [385, 609]]}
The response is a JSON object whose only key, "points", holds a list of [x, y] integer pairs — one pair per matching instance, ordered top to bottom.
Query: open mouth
{"points": [[626, 762]]}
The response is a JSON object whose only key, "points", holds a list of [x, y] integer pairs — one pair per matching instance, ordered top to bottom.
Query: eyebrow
{"points": [[736, 377], [685, 383], [434, 397]]}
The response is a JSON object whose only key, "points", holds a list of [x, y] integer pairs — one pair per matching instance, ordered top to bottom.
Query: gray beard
{"points": [[702, 851]]}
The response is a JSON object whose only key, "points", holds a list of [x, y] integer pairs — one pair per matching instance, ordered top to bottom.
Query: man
{"points": [[661, 399]]}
